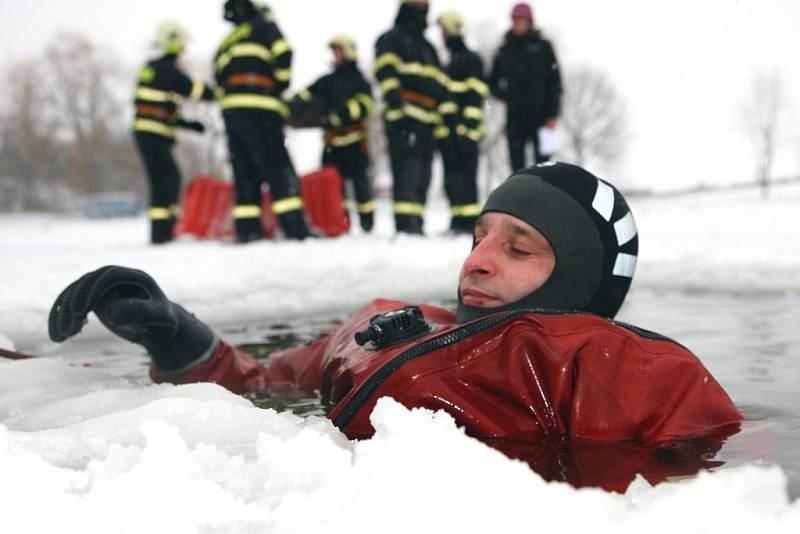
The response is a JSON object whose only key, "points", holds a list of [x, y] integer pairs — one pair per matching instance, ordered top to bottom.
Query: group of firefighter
{"points": [[426, 107]]}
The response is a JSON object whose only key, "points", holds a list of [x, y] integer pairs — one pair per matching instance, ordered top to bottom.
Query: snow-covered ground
{"points": [[84, 450]]}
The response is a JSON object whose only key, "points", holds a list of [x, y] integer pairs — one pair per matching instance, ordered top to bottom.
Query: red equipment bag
{"points": [[324, 203], [206, 210]]}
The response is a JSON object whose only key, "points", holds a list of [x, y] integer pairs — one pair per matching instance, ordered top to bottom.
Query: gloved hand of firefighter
{"points": [[197, 126], [130, 304]]}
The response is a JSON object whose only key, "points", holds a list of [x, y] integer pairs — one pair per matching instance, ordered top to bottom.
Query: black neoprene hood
{"points": [[590, 228]]}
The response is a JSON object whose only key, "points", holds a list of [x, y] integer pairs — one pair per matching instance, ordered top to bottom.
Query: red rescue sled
{"points": [[207, 206]]}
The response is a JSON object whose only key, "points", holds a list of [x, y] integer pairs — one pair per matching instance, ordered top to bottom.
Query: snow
{"points": [[87, 450], [196, 458]]}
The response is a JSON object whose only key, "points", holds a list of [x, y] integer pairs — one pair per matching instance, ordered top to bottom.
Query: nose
{"points": [[481, 261]]}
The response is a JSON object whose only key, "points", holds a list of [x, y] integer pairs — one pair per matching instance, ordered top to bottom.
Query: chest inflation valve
{"points": [[391, 328]]}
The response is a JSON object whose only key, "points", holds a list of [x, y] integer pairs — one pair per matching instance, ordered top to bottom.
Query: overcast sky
{"points": [[684, 66]]}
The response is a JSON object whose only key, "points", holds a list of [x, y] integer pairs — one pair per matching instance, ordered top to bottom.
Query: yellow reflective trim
{"points": [[239, 32], [281, 46], [242, 50], [387, 58], [418, 69], [147, 74], [283, 75], [388, 84], [478, 85], [457, 87], [197, 90], [219, 92], [305, 94], [156, 95], [365, 100], [269, 103], [352, 107], [448, 107], [473, 112], [393, 114], [422, 115], [334, 119], [151, 126], [440, 132], [475, 134], [348, 139], [287, 204], [366, 207], [409, 208], [174, 210], [466, 210], [246, 211], [159, 214]]}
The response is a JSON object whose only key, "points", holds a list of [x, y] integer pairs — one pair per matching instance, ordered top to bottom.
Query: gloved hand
{"points": [[191, 125], [130, 304]]}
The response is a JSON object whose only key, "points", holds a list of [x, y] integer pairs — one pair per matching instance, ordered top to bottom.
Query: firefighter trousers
{"points": [[411, 148], [258, 155], [460, 161], [352, 162], [165, 182]]}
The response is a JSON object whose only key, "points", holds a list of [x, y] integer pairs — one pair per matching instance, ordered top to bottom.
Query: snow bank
{"points": [[99, 455]]}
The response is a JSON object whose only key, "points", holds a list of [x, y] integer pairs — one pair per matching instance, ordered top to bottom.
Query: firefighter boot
{"points": [[366, 221], [294, 225]]}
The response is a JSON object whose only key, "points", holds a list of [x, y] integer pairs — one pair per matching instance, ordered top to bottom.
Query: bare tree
{"points": [[762, 114], [594, 118]]}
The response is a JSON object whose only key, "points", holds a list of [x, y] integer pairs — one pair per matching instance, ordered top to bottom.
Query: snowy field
{"points": [[85, 450]]}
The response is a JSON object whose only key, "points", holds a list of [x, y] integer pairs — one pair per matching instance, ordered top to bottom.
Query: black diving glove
{"points": [[130, 304]]}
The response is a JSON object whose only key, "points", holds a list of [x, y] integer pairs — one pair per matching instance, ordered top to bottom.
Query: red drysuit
{"points": [[579, 398]]}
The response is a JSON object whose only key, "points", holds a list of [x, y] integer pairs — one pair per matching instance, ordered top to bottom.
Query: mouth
{"points": [[478, 299]]}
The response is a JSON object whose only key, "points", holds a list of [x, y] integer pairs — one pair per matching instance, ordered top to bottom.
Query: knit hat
{"points": [[522, 10], [590, 228]]}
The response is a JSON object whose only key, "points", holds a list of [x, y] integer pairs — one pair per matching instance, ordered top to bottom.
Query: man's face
{"points": [[520, 26], [338, 55], [510, 260]]}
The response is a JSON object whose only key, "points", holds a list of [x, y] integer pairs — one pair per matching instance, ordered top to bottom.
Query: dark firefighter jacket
{"points": [[253, 67], [525, 74], [410, 76], [467, 87], [161, 88], [346, 98]]}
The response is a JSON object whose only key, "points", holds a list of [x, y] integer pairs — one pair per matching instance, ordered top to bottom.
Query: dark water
{"points": [[750, 343]]}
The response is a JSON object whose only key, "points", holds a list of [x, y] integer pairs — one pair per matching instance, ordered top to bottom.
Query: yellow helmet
{"points": [[452, 22], [171, 37], [347, 45]]}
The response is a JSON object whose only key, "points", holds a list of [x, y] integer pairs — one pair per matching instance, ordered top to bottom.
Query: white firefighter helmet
{"points": [[452, 22], [171, 37], [346, 44]]}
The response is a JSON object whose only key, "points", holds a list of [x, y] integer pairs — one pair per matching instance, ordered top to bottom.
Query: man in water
{"points": [[531, 350]]}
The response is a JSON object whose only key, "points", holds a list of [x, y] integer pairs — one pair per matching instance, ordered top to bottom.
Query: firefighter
{"points": [[253, 68], [161, 87], [344, 98], [416, 101], [459, 146]]}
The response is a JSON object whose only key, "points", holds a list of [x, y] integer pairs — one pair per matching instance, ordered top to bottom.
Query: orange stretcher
{"points": [[206, 209]]}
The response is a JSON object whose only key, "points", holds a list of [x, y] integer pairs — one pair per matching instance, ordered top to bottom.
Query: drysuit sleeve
{"points": [[239, 372], [656, 391]]}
